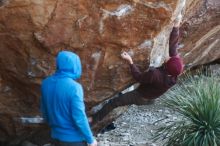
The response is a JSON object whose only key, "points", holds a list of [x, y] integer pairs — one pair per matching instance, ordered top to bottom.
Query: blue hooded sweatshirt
{"points": [[62, 102]]}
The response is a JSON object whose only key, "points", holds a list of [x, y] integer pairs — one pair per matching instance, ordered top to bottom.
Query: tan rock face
{"points": [[33, 31], [202, 32]]}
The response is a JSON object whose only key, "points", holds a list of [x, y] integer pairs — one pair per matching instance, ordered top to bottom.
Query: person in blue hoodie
{"points": [[62, 104]]}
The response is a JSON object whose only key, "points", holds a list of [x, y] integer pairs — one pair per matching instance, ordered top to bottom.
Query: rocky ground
{"points": [[136, 126], [133, 128]]}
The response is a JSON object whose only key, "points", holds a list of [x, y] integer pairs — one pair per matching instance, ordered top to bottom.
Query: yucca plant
{"points": [[196, 101]]}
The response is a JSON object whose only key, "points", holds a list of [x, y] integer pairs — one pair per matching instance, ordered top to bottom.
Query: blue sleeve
{"points": [[42, 105], [43, 110], [79, 115]]}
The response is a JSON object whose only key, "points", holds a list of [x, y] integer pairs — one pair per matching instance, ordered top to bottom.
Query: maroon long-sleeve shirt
{"points": [[156, 81]]}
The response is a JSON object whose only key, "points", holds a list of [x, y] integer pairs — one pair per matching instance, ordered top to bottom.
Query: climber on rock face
{"points": [[153, 83]]}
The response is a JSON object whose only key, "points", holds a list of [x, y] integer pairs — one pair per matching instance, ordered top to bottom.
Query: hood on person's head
{"points": [[68, 64], [174, 66]]}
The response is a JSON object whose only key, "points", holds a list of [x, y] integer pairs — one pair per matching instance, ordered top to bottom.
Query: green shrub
{"points": [[196, 101]]}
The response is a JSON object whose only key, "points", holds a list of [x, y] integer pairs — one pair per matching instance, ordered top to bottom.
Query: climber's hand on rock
{"points": [[127, 57]]}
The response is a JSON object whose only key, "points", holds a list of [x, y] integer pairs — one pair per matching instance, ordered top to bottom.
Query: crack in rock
{"points": [[156, 5], [122, 10], [203, 39], [207, 50]]}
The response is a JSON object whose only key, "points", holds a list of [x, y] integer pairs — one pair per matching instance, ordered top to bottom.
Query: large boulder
{"points": [[32, 32]]}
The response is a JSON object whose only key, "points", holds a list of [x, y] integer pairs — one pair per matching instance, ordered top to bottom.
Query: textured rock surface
{"points": [[33, 31], [201, 38]]}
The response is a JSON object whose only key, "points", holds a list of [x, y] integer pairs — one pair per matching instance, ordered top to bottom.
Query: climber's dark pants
{"points": [[129, 98], [60, 143]]}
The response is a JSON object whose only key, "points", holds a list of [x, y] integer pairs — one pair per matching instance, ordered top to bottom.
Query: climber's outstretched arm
{"points": [[174, 37], [173, 42], [136, 73], [142, 77]]}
